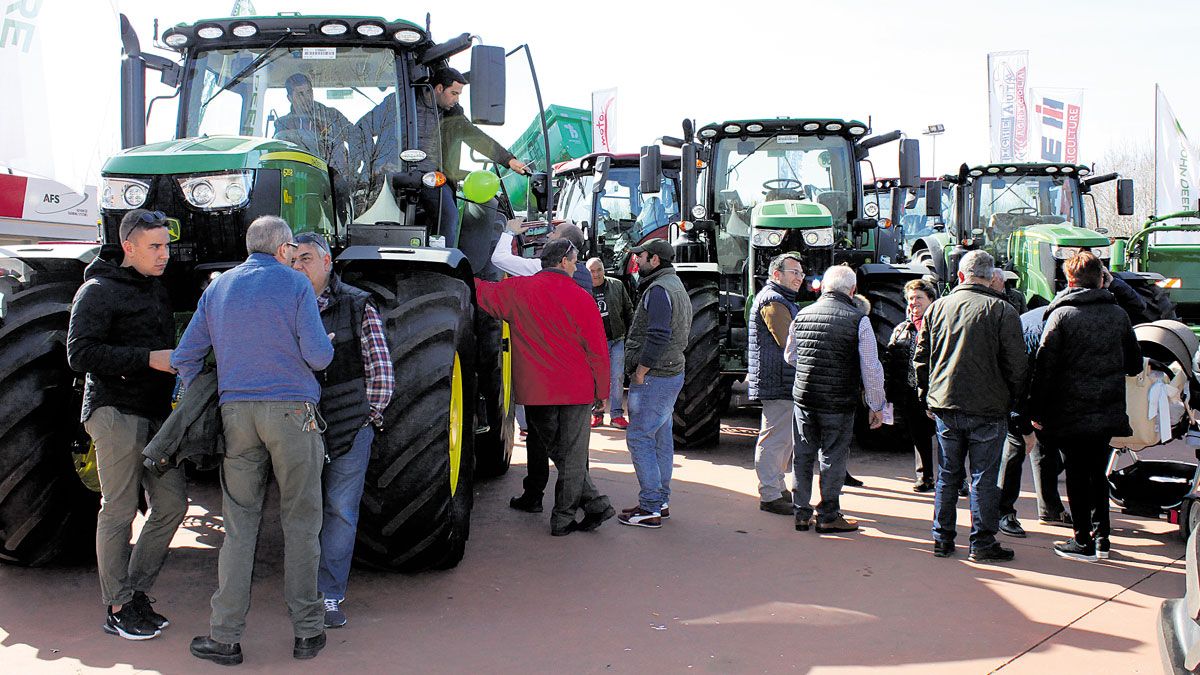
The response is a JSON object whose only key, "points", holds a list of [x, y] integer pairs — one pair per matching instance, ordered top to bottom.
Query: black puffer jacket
{"points": [[118, 317], [1087, 349]]}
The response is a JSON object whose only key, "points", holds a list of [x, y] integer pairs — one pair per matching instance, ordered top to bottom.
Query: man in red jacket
{"points": [[560, 366]]}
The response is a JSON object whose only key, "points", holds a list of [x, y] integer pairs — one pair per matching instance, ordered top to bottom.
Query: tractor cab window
{"points": [[336, 103], [746, 174], [1005, 204], [624, 215], [913, 221]]}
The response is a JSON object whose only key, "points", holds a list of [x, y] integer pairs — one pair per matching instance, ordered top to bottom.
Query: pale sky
{"points": [[904, 64]]}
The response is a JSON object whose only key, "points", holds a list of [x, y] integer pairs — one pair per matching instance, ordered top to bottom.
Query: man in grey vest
{"points": [[833, 348], [654, 363], [771, 378], [355, 389]]}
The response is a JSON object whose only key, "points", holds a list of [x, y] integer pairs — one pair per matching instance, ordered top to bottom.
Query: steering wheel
{"points": [[782, 184], [1023, 211]]}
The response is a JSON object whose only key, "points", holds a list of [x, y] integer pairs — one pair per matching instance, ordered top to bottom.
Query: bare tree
{"points": [[1131, 159]]}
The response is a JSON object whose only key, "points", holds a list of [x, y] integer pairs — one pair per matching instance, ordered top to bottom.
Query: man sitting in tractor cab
{"points": [[321, 130]]}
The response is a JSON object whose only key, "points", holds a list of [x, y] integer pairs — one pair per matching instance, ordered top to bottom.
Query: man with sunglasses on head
{"points": [[260, 320], [121, 334], [560, 367], [355, 389]]}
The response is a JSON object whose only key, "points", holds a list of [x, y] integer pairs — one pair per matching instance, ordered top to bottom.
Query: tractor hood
{"points": [[207, 153], [791, 214], [1065, 234]]}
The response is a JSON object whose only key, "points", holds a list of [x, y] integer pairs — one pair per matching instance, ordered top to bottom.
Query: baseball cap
{"points": [[658, 247]]}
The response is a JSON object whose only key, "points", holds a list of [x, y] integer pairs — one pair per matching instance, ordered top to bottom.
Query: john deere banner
{"points": [[603, 103], [1008, 109], [1056, 117], [1175, 187]]}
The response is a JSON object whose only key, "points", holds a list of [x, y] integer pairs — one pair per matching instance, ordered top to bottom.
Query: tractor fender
{"points": [[935, 244], [449, 261]]}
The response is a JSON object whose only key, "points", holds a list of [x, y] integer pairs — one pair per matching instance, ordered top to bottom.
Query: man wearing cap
{"points": [[121, 334], [654, 363], [560, 366], [355, 389]]}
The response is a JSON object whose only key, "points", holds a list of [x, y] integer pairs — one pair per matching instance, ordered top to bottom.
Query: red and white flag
{"points": [[1008, 105], [603, 106]]}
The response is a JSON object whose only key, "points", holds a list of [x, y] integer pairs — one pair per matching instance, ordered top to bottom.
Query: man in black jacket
{"points": [[617, 312], [121, 334], [1078, 395]]}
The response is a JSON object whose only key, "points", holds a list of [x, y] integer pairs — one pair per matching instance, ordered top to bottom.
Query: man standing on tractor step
{"points": [[617, 311], [261, 321], [121, 333], [833, 348], [654, 363], [970, 364], [560, 366], [771, 378], [355, 389]]}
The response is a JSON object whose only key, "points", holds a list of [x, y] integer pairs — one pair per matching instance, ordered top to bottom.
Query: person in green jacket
{"points": [[617, 311]]}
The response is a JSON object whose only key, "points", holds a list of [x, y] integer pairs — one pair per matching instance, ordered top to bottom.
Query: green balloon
{"points": [[480, 186]]}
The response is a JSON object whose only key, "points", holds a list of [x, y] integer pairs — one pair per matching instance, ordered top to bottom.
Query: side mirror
{"points": [[487, 84], [910, 162], [603, 164], [650, 169], [539, 184], [1125, 197], [933, 198], [861, 225]]}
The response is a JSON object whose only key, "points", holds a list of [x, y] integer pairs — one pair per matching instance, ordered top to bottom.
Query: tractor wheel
{"points": [[888, 309], [496, 413], [697, 418], [416, 506], [45, 509]]}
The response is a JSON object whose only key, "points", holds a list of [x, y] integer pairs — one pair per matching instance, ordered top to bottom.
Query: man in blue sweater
{"points": [[261, 321]]}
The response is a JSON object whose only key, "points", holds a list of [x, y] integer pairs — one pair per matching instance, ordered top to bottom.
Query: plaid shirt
{"points": [[377, 360]]}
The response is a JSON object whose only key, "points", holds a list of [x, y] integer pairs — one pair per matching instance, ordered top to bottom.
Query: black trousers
{"points": [[921, 430], [560, 433], [1086, 460], [1047, 465]]}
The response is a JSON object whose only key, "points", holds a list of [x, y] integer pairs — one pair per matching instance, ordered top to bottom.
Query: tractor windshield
{"points": [[337, 103], [1005, 203], [625, 216]]}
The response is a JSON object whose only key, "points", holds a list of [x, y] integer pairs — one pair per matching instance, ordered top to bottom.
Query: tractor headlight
{"points": [[213, 192], [123, 194], [819, 237], [767, 238], [1068, 252], [1102, 252]]}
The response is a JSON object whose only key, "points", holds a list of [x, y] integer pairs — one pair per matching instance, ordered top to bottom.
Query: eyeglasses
{"points": [[312, 239], [292, 244], [570, 249], [798, 270]]}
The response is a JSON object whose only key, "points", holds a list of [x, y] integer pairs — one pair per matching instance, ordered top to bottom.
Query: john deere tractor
{"points": [[352, 173], [764, 187], [1031, 217], [1169, 246]]}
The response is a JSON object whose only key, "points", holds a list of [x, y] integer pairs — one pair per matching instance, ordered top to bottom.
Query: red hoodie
{"points": [[560, 355]]}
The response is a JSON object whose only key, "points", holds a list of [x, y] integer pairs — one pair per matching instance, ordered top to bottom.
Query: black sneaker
{"points": [[923, 486], [527, 503], [780, 506], [1061, 520], [591, 521], [804, 524], [1011, 526], [1102, 548], [943, 549], [1073, 550], [993, 553], [142, 603], [334, 616], [130, 624], [309, 647], [225, 654]]}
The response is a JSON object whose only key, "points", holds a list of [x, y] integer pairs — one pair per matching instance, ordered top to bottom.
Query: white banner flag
{"points": [[603, 104], [1008, 105], [1056, 115], [1175, 186]]}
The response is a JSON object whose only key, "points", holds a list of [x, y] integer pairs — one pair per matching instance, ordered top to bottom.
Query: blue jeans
{"points": [[616, 375], [651, 405], [823, 437], [982, 439], [343, 480]]}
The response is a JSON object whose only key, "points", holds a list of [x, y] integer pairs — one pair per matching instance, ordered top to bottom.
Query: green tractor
{"points": [[750, 190], [1031, 218], [1171, 250], [450, 419]]}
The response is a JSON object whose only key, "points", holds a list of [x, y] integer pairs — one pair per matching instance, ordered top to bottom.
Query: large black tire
{"points": [[888, 309], [496, 412], [697, 418], [416, 506], [44, 508]]}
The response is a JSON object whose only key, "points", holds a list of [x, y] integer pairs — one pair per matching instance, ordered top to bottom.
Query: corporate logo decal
{"points": [[1060, 130]]}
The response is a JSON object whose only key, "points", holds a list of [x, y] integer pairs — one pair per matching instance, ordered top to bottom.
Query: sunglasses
{"points": [[153, 217]]}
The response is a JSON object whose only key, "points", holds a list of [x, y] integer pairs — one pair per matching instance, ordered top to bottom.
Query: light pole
{"points": [[933, 130]]}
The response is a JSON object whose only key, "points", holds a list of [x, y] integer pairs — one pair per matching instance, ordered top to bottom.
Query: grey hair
{"points": [[266, 234], [595, 262], [777, 262], [977, 264], [841, 279]]}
